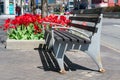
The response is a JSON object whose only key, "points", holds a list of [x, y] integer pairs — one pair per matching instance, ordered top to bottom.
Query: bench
{"points": [[83, 34]]}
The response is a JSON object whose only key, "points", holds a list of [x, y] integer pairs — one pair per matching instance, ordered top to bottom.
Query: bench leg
{"points": [[59, 49], [94, 49], [93, 52], [95, 55], [98, 61], [61, 65]]}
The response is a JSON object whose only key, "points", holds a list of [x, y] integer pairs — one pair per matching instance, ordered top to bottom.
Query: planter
{"points": [[23, 44]]}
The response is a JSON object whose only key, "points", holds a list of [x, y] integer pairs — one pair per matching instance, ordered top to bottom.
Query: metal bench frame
{"points": [[60, 47]]}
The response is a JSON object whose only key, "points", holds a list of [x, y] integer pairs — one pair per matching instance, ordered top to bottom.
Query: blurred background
{"points": [[57, 6]]}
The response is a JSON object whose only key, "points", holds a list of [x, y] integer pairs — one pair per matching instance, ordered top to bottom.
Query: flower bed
{"points": [[31, 27], [27, 31]]}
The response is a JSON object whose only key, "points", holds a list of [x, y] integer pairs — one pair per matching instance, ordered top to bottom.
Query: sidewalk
{"points": [[3, 16], [31, 65], [40, 65]]}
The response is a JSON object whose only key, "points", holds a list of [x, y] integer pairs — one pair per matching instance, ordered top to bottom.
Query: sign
{"points": [[51, 1], [11, 8]]}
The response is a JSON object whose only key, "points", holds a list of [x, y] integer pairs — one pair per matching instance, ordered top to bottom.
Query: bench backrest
{"points": [[86, 19]]}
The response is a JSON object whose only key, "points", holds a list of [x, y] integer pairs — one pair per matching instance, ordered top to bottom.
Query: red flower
{"points": [[27, 19], [8, 20], [7, 24], [13, 27], [36, 27]]}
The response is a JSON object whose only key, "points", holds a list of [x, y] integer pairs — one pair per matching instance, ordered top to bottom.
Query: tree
{"points": [[33, 6], [44, 7]]}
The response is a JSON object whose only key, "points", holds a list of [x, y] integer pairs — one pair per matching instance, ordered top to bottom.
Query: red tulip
{"points": [[27, 19]]}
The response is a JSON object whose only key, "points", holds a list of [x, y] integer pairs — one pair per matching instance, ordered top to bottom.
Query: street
{"points": [[111, 33]]}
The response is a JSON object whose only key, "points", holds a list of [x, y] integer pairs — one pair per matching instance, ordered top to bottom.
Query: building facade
{"points": [[104, 3], [7, 6]]}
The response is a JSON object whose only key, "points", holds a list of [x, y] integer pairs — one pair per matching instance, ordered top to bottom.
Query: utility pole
{"points": [[21, 4], [33, 5]]}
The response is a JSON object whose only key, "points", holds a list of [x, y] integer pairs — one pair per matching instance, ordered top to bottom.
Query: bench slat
{"points": [[94, 19], [89, 28], [60, 35], [67, 35], [72, 37], [58, 38], [79, 39]]}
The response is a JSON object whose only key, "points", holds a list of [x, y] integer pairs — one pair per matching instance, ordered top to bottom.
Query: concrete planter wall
{"points": [[112, 15], [23, 44]]}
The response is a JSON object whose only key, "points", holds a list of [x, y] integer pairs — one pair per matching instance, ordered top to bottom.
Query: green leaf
{"points": [[25, 32]]}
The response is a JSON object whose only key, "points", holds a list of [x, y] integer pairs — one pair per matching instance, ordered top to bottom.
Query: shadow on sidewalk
{"points": [[50, 64]]}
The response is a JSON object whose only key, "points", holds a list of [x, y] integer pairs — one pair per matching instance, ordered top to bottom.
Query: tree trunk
{"points": [[33, 4], [44, 6]]}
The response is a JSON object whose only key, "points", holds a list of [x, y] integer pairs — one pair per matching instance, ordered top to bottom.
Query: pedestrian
{"points": [[83, 4], [18, 10]]}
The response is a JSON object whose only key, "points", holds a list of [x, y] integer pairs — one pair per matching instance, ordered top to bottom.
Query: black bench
{"points": [[83, 34]]}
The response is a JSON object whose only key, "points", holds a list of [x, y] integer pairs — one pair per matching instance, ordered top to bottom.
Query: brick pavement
{"points": [[39, 65]]}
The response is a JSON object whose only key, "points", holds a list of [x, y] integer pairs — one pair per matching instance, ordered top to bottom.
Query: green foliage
{"points": [[24, 33]]}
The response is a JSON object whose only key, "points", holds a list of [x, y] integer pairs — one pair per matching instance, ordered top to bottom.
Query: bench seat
{"points": [[69, 37]]}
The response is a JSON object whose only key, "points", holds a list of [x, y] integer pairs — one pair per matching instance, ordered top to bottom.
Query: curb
{"points": [[6, 16]]}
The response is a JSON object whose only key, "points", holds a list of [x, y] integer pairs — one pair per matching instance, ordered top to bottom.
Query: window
{"points": [[115, 1], [71, 3]]}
